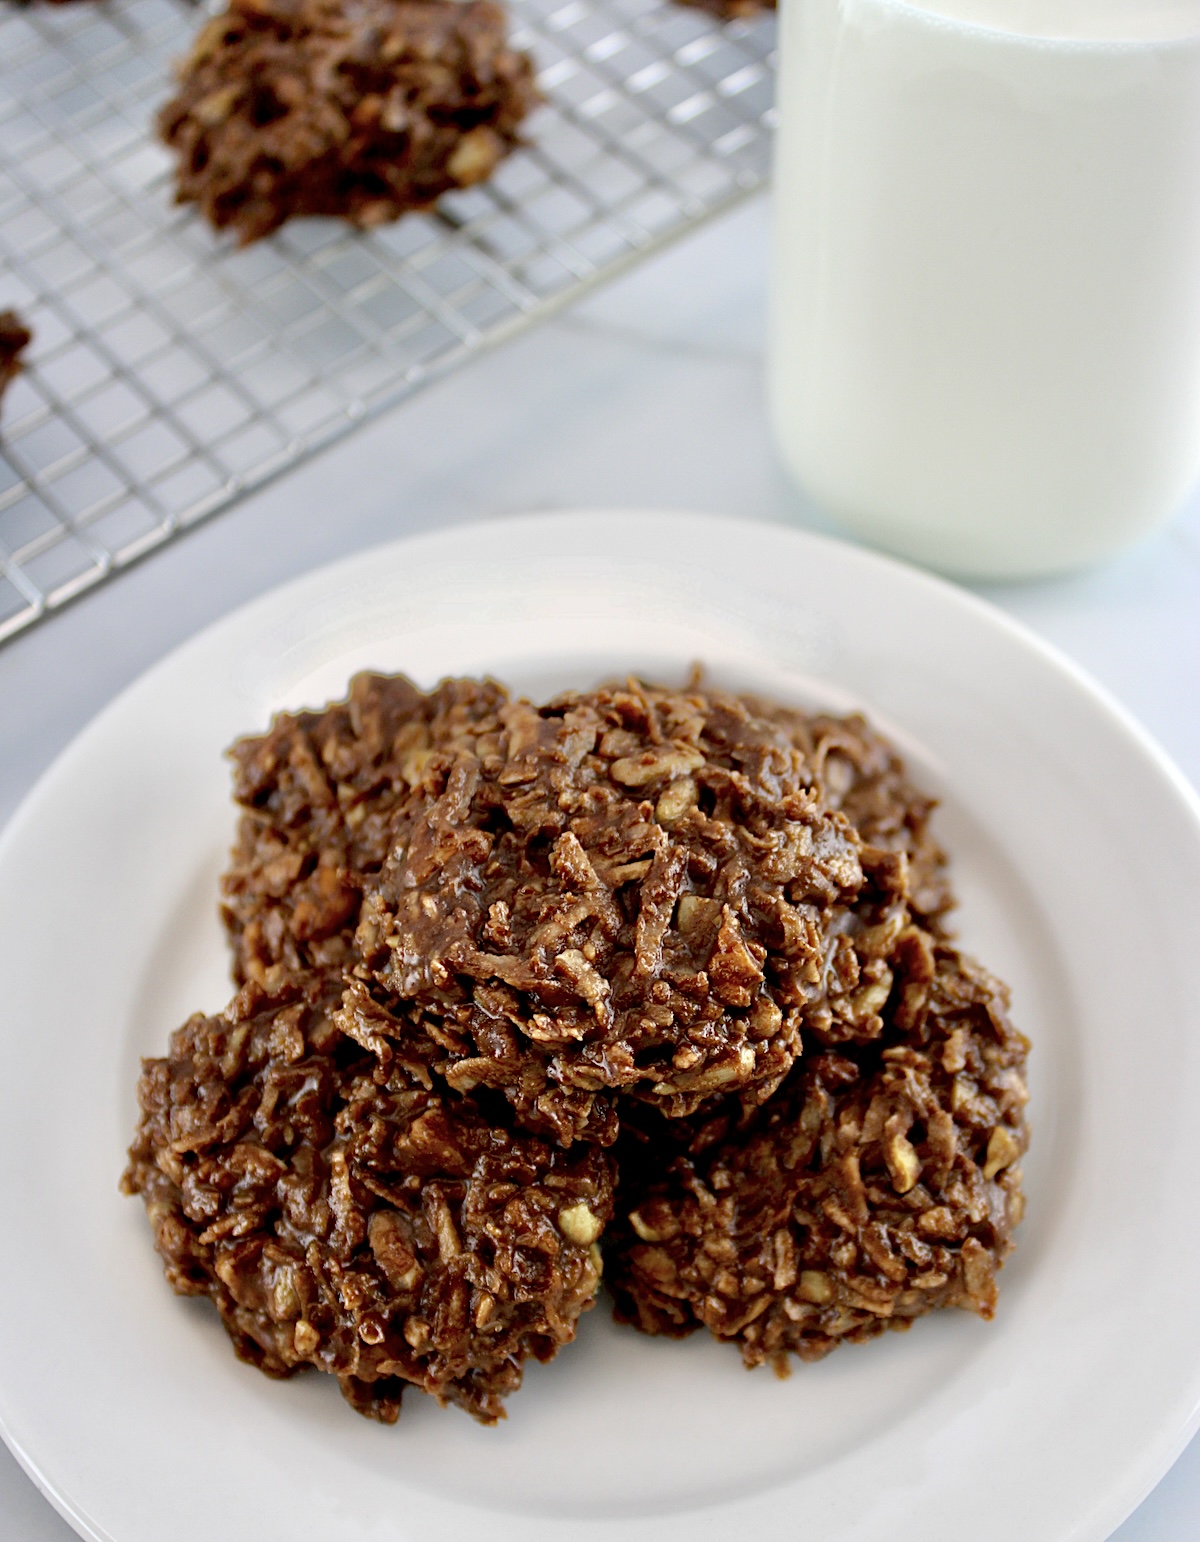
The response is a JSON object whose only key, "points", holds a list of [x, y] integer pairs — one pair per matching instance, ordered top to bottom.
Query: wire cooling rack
{"points": [[171, 372]]}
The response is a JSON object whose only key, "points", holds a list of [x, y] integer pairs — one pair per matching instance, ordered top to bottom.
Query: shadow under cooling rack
{"points": [[171, 372]]}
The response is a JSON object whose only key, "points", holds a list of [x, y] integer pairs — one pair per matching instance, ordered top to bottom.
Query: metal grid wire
{"points": [[171, 372]]}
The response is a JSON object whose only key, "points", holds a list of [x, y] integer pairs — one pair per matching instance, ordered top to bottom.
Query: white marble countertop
{"points": [[649, 394]]}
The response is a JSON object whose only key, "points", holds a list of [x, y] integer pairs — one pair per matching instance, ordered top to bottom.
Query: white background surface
{"points": [[649, 394]]}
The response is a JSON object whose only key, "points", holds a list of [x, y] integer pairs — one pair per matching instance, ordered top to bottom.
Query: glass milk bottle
{"points": [[985, 322]]}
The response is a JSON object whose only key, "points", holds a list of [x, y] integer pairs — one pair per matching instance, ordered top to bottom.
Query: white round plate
{"points": [[1076, 850]]}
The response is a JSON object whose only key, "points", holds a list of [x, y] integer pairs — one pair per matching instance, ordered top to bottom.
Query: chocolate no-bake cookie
{"points": [[731, 10], [361, 110], [15, 337], [628, 890], [644, 890], [879, 1182], [388, 1234]]}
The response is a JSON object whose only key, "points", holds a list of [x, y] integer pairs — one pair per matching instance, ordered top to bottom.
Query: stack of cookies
{"points": [[639, 984]]}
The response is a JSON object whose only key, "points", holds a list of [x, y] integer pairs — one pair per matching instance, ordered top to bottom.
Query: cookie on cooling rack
{"points": [[730, 10], [301, 107], [15, 337]]}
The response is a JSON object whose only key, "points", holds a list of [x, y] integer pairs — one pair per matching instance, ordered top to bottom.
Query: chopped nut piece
{"points": [[216, 106], [475, 156], [655, 766], [675, 802], [695, 913], [574, 966], [734, 969], [872, 998], [765, 1017], [954, 1056], [1003, 1148], [903, 1163], [941, 1222], [579, 1224], [662, 1229], [448, 1243], [815, 1286], [285, 1301], [417, 1333], [305, 1337]]}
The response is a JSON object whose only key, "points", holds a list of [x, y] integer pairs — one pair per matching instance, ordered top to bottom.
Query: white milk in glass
{"points": [[985, 330]]}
